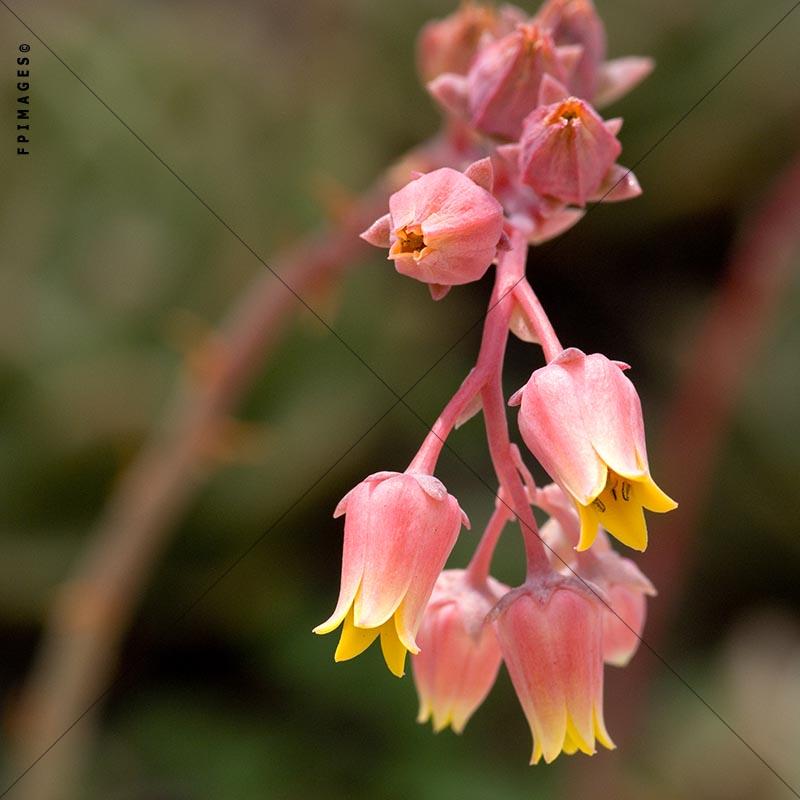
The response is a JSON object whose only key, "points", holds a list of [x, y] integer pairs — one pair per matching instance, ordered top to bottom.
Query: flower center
{"points": [[566, 113], [410, 240]]}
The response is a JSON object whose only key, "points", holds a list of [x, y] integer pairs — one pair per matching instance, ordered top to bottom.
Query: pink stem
{"points": [[510, 270], [538, 319], [490, 355], [494, 413], [481, 561]]}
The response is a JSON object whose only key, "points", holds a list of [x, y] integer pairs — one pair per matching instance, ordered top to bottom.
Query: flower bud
{"points": [[576, 22], [450, 44], [502, 85], [443, 228], [582, 420], [399, 530], [551, 640], [459, 655]]}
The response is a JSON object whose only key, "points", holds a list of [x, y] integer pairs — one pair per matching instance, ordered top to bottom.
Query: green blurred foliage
{"points": [[106, 256]]}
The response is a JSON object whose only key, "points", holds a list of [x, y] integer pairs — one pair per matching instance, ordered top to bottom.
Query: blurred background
{"points": [[112, 273]]}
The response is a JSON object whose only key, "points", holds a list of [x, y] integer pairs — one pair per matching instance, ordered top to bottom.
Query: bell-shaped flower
{"points": [[502, 85], [566, 150], [443, 228], [582, 419], [399, 530], [624, 586], [551, 637], [459, 655]]}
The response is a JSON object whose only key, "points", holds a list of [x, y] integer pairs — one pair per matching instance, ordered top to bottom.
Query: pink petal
{"points": [[619, 76], [379, 232]]}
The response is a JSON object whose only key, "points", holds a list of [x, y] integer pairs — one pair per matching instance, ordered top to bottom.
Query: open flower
{"points": [[566, 150], [443, 228], [582, 419], [399, 530], [552, 643], [459, 655]]}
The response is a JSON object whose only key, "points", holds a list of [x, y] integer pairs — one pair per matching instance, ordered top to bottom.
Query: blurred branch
{"points": [[713, 375], [94, 608]]}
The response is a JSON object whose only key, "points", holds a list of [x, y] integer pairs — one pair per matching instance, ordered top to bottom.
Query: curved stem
{"points": [[510, 268], [540, 322], [493, 344], [494, 413], [478, 567]]}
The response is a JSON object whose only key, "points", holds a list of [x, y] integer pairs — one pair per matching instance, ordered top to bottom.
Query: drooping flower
{"points": [[502, 85], [443, 228], [582, 419], [399, 530], [625, 587], [551, 639], [459, 655]]}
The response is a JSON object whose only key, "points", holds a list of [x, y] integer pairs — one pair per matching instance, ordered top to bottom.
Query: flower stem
{"points": [[509, 270], [540, 322], [481, 561]]}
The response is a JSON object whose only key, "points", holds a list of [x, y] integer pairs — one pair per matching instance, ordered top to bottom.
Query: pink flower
{"points": [[576, 22], [450, 44], [502, 86], [566, 150], [443, 228], [582, 419], [399, 531], [623, 584], [626, 588], [551, 639], [459, 655]]}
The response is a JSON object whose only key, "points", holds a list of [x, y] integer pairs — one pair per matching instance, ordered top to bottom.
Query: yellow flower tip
{"points": [[353, 640], [394, 651], [424, 713], [601, 734], [573, 741]]}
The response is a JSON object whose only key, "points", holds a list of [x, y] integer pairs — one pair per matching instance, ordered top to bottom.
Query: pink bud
{"points": [[576, 22], [450, 44], [502, 86], [566, 150], [444, 227], [582, 419], [399, 530], [551, 640], [459, 655]]}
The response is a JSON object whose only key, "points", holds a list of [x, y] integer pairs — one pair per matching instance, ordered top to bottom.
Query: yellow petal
{"points": [[653, 498], [618, 508], [590, 519], [354, 641], [394, 653], [600, 732], [574, 736]]}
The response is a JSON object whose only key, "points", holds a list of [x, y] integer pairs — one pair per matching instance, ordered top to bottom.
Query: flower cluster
{"points": [[523, 93]]}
